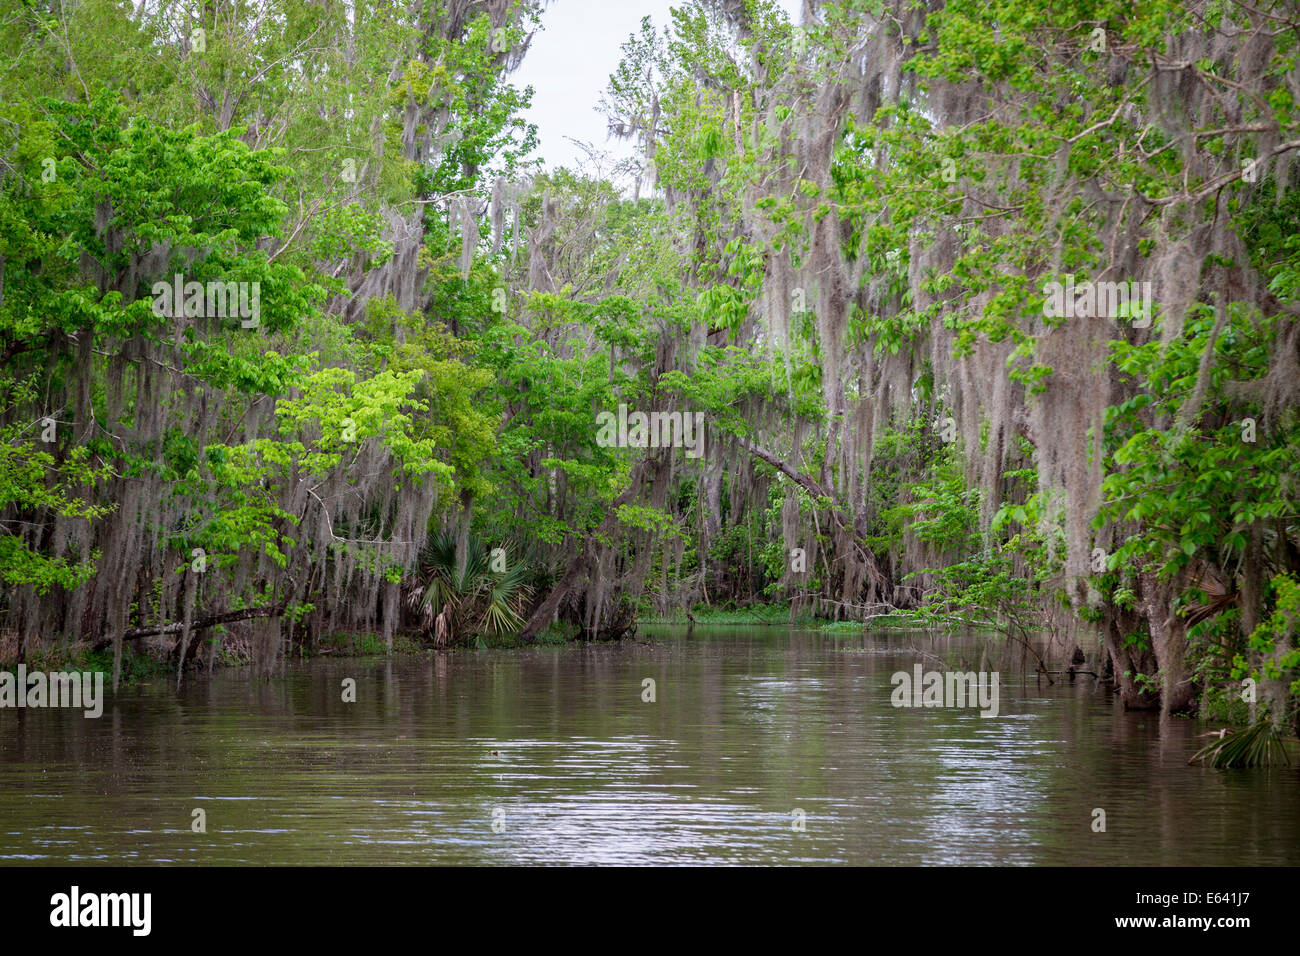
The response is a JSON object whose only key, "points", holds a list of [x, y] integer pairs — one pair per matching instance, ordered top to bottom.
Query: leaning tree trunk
{"points": [[847, 538]]}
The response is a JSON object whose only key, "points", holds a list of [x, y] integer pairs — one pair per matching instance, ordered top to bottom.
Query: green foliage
{"points": [[457, 601], [1257, 746]]}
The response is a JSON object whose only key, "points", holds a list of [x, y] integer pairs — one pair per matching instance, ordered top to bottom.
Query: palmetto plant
{"points": [[454, 605], [1257, 746]]}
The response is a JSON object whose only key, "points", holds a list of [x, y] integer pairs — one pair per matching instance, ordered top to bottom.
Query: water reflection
{"points": [[751, 733]]}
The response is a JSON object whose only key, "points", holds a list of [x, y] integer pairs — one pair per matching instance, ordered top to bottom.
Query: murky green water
{"points": [[749, 726]]}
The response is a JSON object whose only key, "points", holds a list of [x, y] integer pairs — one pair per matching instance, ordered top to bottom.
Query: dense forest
{"points": [[988, 314]]}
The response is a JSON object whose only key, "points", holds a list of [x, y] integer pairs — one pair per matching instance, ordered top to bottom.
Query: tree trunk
{"points": [[462, 534], [876, 578], [545, 611], [1129, 662]]}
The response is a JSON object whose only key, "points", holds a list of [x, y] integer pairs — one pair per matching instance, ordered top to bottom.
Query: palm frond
{"points": [[450, 602], [1257, 746]]}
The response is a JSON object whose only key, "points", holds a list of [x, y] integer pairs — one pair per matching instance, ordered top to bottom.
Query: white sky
{"points": [[568, 65]]}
